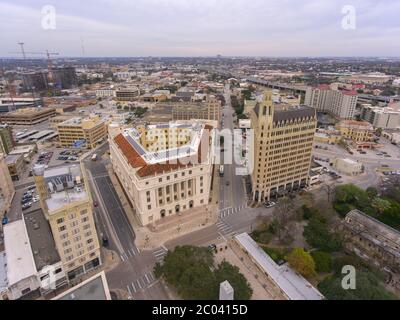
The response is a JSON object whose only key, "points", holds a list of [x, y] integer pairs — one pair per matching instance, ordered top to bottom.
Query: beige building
{"points": [[207, 110], [27, 116], [386, 118], [91, 130], [357, 131], [283, 137], [16, 165], [348, 166], [164, 169], [7, 190], [67, 204]]}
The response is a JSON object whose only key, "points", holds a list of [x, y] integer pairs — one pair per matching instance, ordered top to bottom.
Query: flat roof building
{"points": [[292, 285]]}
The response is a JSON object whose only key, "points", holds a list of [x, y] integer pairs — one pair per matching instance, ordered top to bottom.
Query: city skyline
{"points": [[207, 28]]}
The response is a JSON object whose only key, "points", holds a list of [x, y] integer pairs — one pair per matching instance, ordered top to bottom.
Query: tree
{"points": [[372, 192], [380, 204], [283, 213], [318, 235], [323, 261], [302, 262], [368, 288], [242, 289]]}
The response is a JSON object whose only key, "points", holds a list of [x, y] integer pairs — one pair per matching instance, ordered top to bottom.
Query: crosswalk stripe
{"points": [[147, 278], [139, 284], [133, 287], [129, 289]]}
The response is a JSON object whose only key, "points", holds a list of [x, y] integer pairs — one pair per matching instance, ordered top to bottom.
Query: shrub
{"points": [[323, 261]]}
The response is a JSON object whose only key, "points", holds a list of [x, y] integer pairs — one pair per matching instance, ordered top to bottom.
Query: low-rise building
{"points": [[127, 94], [205, 110], [27, 116], [357, 131], [78, 132], [392, 135], [348, 166], [164, 169], [372, 240], [289, 283]]}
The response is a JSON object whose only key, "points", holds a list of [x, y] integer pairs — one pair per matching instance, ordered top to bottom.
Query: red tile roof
{"points": [[134, 159], [145, 170]]}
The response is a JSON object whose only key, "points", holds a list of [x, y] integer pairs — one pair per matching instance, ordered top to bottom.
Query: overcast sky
{"points": [[202, 27]]}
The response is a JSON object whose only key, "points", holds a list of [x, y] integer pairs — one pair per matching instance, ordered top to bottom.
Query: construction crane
{"points": [[22, 49]]}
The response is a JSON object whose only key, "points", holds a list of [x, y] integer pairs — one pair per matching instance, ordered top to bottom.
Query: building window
{"points": [[149, 207], [61, 220], [62, 228]]}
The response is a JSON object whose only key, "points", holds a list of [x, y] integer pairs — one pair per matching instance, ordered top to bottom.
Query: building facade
{"points": [[339, 103], [208, 110], [357, 131], [283, 137], [6, 139], [348, 166], [164, 169], [7, 190], [67, 204]]}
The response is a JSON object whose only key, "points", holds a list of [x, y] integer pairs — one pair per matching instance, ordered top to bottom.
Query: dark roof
{"points": [[286, 112], [41, 239]]}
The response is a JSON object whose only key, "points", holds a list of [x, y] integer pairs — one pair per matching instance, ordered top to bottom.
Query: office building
{"points": [[64, 77], [34, 81], [127, 94], [82, 132], [284, 136], [16, 165], [348, 166], [164, 169], [67, 205]]}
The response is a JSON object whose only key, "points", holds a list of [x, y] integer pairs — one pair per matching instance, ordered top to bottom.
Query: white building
{"points": [[105, 93], [339, 103], [382, 117], [348, 166], [165, 169]]}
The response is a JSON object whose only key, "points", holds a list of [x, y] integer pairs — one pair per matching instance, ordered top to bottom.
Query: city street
{"points": [[134, 272]]}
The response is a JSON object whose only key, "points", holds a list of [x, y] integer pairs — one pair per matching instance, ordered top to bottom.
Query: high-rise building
{"points": [[64, 77], [36, 81], [338, 103], [284, 136], [67, 205]]}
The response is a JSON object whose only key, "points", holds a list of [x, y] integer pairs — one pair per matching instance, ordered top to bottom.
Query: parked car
{"points": [[269, 204], [26, 205], [212, 247]]}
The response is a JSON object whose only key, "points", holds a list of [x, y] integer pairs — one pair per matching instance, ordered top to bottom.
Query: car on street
{"points": [[227, 183], [95, 204], [212, 247]]}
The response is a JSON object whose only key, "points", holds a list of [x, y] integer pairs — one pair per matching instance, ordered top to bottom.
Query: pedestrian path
{"points": [[228, 211], [224, 228], [131, 252], [160, 253], [141, 283]]}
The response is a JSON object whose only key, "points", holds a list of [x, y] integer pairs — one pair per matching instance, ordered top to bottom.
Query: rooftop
{"points": [[284, 112], [65, 185], [41, 239], [20, 261], [292, 284], [94, 288]]}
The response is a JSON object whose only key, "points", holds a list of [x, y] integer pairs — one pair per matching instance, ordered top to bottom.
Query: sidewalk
{"points": [[153, 236]]}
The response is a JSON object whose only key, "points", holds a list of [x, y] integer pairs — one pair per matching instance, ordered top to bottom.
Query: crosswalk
{"points": [[228, 211], [224, 228], [160, 253], [126, 255], [141, 283]]}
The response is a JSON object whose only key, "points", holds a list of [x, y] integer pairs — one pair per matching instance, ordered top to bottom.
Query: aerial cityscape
{"points": [[165, 160]]}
